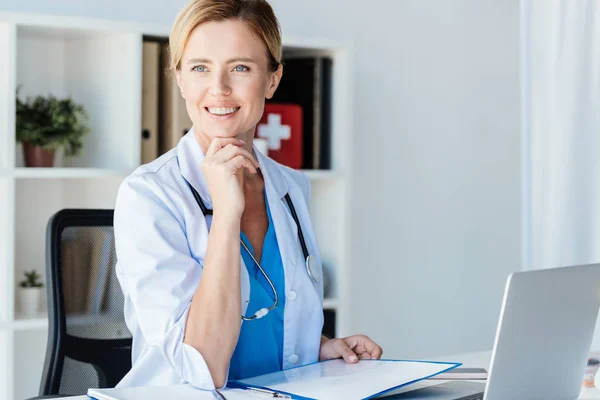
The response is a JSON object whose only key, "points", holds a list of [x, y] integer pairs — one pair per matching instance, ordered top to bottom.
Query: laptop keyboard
{"points": [[454, 390]]}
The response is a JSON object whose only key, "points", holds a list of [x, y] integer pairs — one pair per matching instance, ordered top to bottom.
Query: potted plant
{"points": [[45, 124], [30, 294]]}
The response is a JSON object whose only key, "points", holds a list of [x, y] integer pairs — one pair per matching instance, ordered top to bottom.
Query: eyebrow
{"points": [[230, 61]]}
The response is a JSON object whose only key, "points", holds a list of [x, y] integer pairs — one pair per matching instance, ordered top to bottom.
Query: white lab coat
{"points": [[161, 238]]}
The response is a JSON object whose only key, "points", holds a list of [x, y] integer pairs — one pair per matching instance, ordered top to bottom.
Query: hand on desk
{"points": [[351, 349]]}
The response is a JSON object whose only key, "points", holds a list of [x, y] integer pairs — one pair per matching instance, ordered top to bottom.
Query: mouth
{"points": [[221, 111]]}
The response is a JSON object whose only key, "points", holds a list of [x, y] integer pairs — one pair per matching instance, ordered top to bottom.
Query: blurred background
{"points": [[465, 147]]}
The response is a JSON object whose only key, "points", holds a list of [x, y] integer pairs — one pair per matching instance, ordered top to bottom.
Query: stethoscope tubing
{"points": [[207, 211], [263, 311]]}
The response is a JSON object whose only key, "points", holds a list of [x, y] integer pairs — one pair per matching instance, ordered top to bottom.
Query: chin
{"points": [[214, 130], [215, 133]]}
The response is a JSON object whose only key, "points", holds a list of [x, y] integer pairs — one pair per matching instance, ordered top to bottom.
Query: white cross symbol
{"points": [[273, 131]]}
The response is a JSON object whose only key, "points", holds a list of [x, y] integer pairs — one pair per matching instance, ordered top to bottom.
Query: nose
{"points": [[220, 84]]}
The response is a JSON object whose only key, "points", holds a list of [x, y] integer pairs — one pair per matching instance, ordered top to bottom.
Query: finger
{"points": [[218, 143], [215, 145], [230, 151], [239, 162], [364, 346], [372, 348], [344, 350], [376, 352]]}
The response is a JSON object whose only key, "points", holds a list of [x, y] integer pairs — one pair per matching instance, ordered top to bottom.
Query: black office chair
{"points": [[89, 344]]}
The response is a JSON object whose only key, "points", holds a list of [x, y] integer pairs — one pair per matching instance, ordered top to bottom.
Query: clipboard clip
{"points": [[270, 393]]}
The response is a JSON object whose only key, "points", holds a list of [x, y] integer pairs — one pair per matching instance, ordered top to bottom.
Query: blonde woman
{"points": [[217, 257]]}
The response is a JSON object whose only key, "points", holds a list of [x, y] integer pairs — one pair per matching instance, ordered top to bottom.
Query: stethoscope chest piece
{"points": [[312, 267]]}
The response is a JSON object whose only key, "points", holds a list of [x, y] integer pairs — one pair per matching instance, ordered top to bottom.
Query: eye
{"points": [[199, 68], [241, 68]]}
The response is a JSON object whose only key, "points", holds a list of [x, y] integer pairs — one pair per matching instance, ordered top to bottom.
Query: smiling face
{"points": [[224, 78]]}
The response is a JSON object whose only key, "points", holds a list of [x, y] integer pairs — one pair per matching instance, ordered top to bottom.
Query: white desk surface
{"points": [[481, 360]]}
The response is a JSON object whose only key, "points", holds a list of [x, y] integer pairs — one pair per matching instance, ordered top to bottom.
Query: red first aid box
{"points": [[281, 126]]}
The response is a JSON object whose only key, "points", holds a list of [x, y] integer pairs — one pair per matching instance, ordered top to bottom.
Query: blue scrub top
{"points": [[260, 346]]}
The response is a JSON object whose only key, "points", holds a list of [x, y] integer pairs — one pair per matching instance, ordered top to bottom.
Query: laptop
{"points": [[543, 339]]}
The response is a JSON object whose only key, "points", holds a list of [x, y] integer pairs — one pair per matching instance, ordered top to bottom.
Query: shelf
{"points": [[97, 69], [60, 173], [330, 304], [39, 321], [83, 323]]}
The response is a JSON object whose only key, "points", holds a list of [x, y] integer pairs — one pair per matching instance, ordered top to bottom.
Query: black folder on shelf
{"points": [[307, 82]]}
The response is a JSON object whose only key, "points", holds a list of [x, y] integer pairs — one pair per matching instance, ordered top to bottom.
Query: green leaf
{"points": [[51, 123], [32, 279]]}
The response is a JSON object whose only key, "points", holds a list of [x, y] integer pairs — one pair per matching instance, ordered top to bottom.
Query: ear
{"points": [[178, 77], [274, 81]]}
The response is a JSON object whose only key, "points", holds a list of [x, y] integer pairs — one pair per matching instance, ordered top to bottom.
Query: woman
{"points": [[186, 277]]}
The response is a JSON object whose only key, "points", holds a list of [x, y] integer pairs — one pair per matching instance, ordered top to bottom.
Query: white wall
{"points": [[435, 199]]}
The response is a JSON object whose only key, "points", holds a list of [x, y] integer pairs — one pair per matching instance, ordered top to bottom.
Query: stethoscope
{"points": [[311, 264]]}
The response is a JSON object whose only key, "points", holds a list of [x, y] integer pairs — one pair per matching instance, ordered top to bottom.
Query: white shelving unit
{"points": [[98, 63]]}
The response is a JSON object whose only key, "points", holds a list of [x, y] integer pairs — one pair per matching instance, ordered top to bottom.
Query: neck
{"points": [[204, 140], [250, 180]]}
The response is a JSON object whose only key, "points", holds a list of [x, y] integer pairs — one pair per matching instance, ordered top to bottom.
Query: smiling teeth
{"points": [[222, 110]]}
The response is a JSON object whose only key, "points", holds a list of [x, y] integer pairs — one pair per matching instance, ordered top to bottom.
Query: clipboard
{"points": [[333, 379], [336, 379]]}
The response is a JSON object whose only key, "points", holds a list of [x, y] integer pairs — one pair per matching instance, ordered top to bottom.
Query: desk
{"points": [[481, 360]]}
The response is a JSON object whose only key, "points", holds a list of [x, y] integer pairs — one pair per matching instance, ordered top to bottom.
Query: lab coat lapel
{"points": [[190, 156], [276, 188]]}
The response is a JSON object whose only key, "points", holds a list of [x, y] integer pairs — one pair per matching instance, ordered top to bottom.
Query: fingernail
{"points": [[353, 358]]}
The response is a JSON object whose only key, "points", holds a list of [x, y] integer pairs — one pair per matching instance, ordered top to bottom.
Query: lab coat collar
{"points": [[190, 156], [272, 174]]}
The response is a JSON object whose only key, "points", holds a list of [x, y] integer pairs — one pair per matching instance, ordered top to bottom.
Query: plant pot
{"points": [[37, 157], [29, 300]]}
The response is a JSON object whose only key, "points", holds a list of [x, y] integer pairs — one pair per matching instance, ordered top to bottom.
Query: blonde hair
{"points": [[258, 14]]}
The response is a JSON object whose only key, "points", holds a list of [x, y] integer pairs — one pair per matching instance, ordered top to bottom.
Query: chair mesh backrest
{"points": [[93, 299], [92, 345]]}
